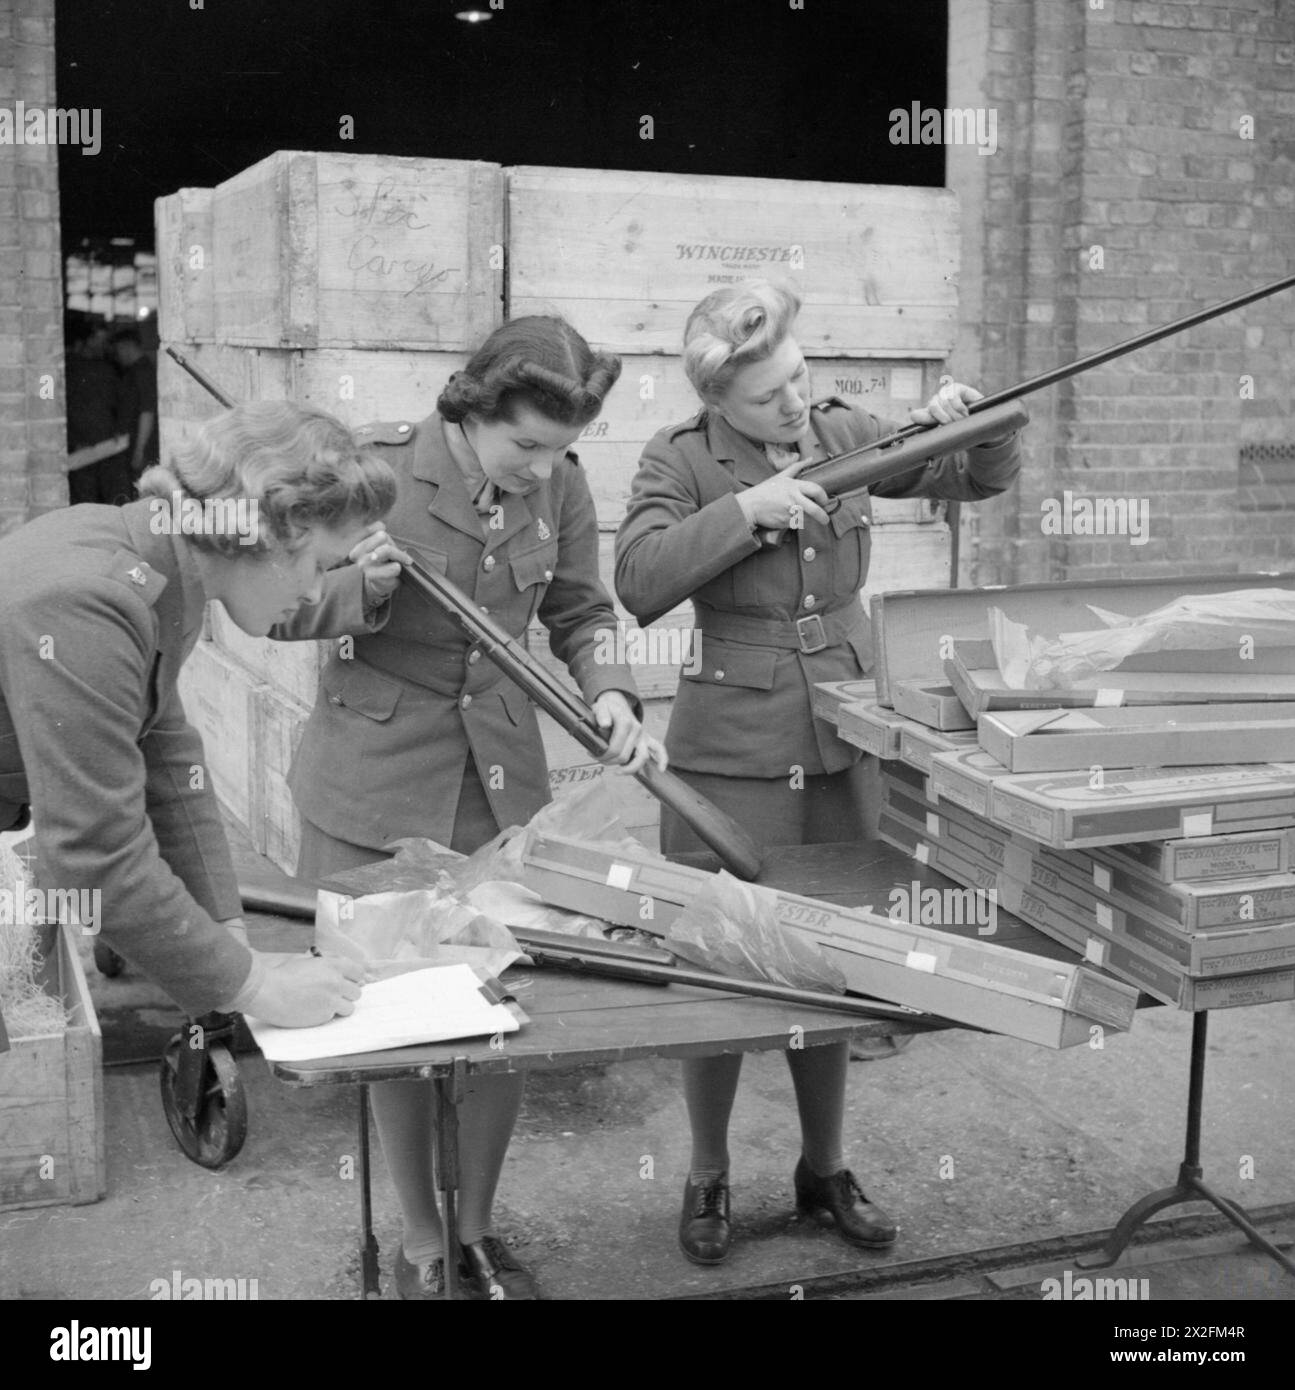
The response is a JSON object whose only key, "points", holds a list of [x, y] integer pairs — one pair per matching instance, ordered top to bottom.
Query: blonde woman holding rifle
{"points": [[773, 622]]}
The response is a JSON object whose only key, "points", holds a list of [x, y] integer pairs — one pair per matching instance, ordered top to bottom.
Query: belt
{"points": [[807, 635], [439, 669]]}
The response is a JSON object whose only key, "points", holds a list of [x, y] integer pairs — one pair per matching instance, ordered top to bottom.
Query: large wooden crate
{"points": [[351, 250], [625, 256], [185, 266], [246, 374], [291, 668], [219, 696], [280, 722], [51, 1096]]}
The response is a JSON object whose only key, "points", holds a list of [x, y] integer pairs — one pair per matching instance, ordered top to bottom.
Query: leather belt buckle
{"points": [[811, 634]]}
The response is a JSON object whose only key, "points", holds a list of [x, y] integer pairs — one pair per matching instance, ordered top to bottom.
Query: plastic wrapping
{"points": [[1197, 622], [732, 928], [391, 933]]}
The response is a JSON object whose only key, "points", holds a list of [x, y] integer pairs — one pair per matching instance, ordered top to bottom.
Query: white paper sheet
{"points": [[424, 1006]]}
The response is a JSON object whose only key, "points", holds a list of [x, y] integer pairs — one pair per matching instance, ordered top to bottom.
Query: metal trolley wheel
{"points": [[109, 963], [212, 1128]]}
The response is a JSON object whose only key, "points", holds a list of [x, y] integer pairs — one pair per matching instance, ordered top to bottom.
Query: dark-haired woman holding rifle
{"points": [[417, 735]]}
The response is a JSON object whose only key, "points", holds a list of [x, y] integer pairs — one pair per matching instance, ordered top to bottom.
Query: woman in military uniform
{"points": [[99, 608], [773, 622], [415, 735]]}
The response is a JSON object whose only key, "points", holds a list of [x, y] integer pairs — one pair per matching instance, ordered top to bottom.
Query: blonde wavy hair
{"points": [[733, 327], [301, 466]]}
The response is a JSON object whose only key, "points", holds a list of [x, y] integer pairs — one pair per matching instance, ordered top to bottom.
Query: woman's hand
{"points": [[948, 404], [784, 500], [379, 559], [627, 743], [302, 991]]}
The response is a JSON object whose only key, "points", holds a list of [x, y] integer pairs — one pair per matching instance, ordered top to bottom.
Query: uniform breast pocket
{"points": [[852, 529], [435, 560], [533, 572], [350, 686]]}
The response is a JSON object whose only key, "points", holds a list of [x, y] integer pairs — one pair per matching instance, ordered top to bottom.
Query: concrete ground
{"points": [[974, 1143]]}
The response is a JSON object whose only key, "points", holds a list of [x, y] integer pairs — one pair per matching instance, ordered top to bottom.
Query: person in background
{"points": [[93, 408], [138, 413], [99, 608], [773, 623], [417, 736]]}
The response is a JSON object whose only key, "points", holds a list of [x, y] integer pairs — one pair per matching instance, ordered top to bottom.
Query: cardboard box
{"points": [[359, 251], [626, 255], [912, 629], [973, 672], [827, 697], [933, 704], [871, 728], [1145, 736], [918, 745], [966, 778], [1065, 810], [1251, 854], [1236, 950], [964, 978], [51, 1095]]}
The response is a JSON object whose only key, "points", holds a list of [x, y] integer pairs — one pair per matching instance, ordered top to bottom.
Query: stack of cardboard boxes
{"points": [[1156, 842]]}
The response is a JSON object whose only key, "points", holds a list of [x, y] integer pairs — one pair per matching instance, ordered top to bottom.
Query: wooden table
{"points": [[578, 1020]]}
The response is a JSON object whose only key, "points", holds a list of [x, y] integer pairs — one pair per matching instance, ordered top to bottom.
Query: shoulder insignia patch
{"points": [[828, 402], [697, 422], [138, 574]]}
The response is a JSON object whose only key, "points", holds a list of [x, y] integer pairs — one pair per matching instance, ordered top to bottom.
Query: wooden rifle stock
{"points": [[721, 832], [735, 848]]}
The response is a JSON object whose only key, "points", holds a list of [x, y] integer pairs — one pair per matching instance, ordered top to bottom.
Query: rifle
{"points": [[889, 456], [735, 848]]}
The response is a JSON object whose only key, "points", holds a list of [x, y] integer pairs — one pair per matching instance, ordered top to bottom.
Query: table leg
{"points": [[449, 1095], [1189, 1187], [370, 1284]]}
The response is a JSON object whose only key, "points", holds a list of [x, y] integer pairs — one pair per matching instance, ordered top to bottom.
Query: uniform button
{"points": [[402, 429], [810, 552], [488, 563], [548, 574], [809, 600], [484, 609], [473, 658], [719, 675], [334, 699], [465, 702]]}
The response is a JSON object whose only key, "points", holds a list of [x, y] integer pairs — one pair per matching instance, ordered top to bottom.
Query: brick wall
{"points": [[1124, 194], [32, 425]]}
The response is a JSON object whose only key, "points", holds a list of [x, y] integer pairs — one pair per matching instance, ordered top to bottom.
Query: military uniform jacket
{"points": [[97, 613], [745, 711], [383, 753]]}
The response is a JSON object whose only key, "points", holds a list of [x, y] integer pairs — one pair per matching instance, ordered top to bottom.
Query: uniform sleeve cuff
{"points": [[251, 987]]}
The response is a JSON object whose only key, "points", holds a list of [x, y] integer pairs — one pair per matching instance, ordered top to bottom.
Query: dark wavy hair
{"points": [[537, 361]]}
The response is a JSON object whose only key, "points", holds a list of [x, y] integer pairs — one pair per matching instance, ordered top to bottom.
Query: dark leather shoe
{"points": [[841, 1197], [704, 1232], [490, 1270], [426, 1280]]}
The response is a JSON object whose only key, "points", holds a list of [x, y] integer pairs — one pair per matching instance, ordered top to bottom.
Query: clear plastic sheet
{"points": [[1196, 622], [732, 928]]}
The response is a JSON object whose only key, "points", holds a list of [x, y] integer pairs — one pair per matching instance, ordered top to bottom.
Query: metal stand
{"points": [[449, 1095], [1189, 1187], [370, 1285]]}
